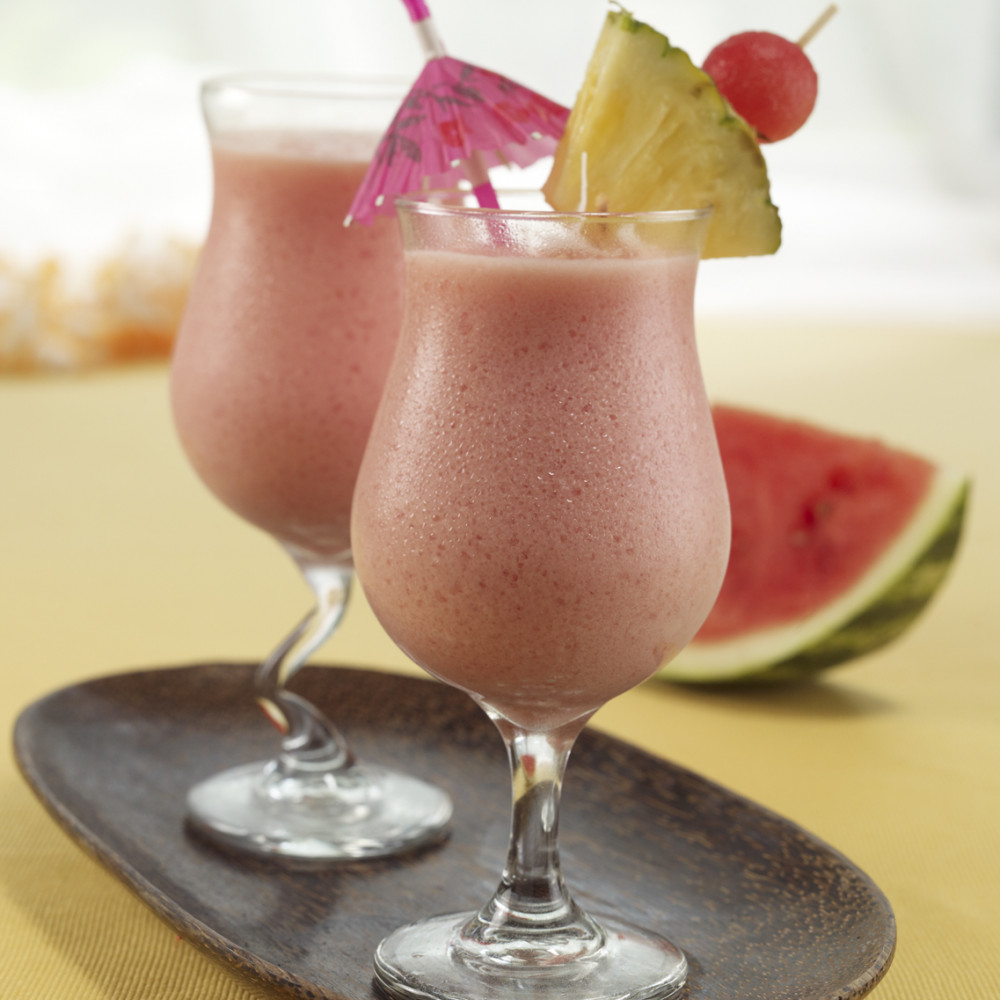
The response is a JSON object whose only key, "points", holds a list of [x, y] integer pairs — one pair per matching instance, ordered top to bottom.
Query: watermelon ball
{"points": [[768, 80]]}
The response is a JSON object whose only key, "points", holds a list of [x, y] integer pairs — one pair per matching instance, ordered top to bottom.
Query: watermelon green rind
{"points": [[874, 612]]}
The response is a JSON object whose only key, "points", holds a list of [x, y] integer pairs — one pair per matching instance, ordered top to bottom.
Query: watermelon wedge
{"points": [[838, 544]]}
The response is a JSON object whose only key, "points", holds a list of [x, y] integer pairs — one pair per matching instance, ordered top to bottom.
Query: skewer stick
{"points": [[817, 26]]}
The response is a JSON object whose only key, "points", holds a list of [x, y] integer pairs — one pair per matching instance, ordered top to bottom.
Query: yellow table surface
{"points": [[113, 557]]}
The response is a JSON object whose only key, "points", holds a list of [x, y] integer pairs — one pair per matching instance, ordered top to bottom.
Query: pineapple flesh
{"points": [[650, 132]]}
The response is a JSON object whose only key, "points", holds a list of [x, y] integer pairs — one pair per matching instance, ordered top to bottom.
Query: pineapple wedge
{"points": [[649, 132]]}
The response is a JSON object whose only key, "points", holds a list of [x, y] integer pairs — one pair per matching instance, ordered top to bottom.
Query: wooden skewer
{"points": [[814, 29]]}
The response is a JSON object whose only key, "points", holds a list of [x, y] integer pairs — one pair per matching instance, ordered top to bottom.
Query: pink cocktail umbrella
{"points": [[457, 121]]}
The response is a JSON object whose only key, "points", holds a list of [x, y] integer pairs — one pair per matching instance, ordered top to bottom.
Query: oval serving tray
{"points": [[763, 910]]}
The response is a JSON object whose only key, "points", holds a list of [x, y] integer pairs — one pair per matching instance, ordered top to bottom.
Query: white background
{"points": [[890, 196]]}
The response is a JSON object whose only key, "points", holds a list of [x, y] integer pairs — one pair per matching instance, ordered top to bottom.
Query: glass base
{"points": [[361, 812], [430, 961]]}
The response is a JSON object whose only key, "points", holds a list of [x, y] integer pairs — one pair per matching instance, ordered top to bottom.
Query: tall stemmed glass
{"points": [[280, 361], [541, 520]]}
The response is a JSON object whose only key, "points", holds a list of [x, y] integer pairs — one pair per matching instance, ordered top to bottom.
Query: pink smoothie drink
{"points": [[289, 331], [551, 524]]}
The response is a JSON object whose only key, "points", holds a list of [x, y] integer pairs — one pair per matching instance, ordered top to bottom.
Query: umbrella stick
{"points": [[433, 48]]}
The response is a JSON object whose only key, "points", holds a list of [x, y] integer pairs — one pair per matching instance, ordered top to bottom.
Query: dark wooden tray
{"points": [[763, 910]]}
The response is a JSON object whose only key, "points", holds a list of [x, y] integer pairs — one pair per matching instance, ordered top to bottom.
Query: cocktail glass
{"points": [[287, 336], [541, 520]]}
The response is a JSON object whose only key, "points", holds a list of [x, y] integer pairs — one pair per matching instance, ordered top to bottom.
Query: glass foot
{"points": [[360, 812], [432, 960]]}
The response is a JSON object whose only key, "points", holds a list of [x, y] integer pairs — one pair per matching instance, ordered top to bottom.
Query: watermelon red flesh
{"points": [[811, 511]]}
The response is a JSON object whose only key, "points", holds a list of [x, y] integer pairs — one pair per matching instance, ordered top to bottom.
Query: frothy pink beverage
{"points": [[289, 331], [542, 517]]}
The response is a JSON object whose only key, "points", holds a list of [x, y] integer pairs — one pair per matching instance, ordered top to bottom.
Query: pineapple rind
{"points": [[658, 135]]}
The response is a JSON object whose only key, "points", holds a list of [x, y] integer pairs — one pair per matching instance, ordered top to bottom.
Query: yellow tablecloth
{"points": [[113, 557]]}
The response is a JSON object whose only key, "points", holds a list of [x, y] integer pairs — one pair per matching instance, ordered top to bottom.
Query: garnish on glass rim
{"points": [[649, 131]]}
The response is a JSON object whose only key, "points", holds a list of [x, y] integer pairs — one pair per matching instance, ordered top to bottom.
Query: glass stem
{"points": [[310, 742], [532, 899]]}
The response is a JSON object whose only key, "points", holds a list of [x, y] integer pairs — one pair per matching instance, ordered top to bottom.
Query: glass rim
{"points": [[281, 84], [418, 203]]}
